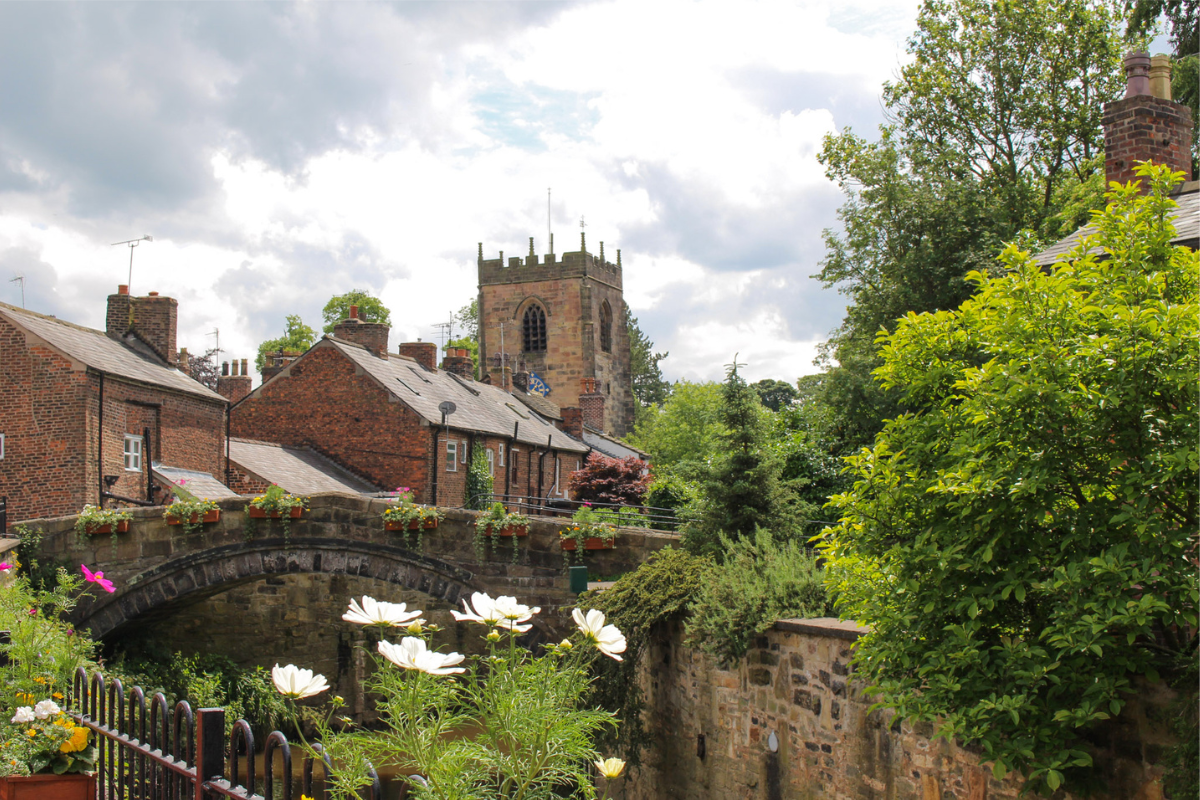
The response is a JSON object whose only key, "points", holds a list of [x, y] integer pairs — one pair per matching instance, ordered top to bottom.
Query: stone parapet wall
{"points": [[713, 729]]}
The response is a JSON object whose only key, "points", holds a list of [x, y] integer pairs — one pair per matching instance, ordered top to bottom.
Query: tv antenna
{"points": [[132, 244], [20, 279], [446, 331], [217, 333]]}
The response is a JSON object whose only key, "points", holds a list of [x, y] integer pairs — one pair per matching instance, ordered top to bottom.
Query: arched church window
{"points": [[606, 327], [533, 329]]}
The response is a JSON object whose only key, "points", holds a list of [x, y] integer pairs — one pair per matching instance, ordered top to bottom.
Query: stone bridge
{"points": [[259, 597]]}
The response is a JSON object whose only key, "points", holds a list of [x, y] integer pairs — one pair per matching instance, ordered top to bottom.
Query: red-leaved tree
{"points": [[622, 481]]}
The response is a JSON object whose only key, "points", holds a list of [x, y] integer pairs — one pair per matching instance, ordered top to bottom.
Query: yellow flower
{"points": [[39, 680], [57, 695], [32, 732], [77, 742], [611, 767]]}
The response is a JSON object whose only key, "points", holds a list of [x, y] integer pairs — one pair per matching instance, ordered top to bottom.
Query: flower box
{"points": [[257, 513], [213, 515], [411, 525], [122, 527], [508, 530], [589, 543], [48, 787]]}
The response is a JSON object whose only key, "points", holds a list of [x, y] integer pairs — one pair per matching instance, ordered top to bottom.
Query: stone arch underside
{"points": [[209, 572]]}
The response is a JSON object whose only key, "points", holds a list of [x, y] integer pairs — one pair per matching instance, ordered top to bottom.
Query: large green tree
{"points": [[994, 128], [370, 308], [296, 336], [649, 387], [683, 434], [1022, 542]]}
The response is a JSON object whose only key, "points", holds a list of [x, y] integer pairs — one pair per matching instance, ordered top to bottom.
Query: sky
{"points": [[281, 153]]}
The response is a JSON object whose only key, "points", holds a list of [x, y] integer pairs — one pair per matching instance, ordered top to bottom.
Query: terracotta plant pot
{"points": [[258, 513], [213, 515], [411, 525], [122, 527], [509, 530], [589, 543], [48, 787]]}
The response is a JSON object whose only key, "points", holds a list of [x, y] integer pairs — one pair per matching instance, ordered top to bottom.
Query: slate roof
{"points": [[1186, 219], [127, 358], [479, 406], [544, 407], [613, 448], [298, 470], [201, 484]]}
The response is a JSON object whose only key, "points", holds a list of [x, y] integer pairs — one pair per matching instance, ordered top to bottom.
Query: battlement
{"points": [[552, 266]]}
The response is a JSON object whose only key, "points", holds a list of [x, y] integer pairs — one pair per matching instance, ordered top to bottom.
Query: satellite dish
{"points": [[447, 408]]}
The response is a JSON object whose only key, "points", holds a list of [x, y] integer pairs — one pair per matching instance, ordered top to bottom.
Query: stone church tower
{"points": [[563, 321]]}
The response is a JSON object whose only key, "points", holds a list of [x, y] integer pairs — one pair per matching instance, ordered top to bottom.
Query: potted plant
{"points": [[275, 503], [190, 511], [405, 515], [94, 520], [498, 522], [589, 530], [44, 753]]}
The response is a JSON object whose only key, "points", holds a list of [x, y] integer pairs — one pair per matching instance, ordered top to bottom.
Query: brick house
{"points": [[564, 321], [86, 415], [378, 415]]}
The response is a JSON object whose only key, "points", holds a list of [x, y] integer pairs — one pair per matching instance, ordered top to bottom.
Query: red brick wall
{"points": [[1146, 128], [322, 403], [243, 481]]}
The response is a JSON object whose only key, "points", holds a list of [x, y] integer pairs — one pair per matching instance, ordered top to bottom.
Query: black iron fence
{"points": [[665, 519], [151, 751]]}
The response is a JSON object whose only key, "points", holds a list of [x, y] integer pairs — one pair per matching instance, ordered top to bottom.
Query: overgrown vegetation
{"points": [[479, 478]]}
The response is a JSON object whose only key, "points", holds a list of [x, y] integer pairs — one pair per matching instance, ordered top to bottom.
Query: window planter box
{"points": [[258, 513], [209, 516], [412, 525], [122, 527], [508, 530], [589, 543], [48, 787]]}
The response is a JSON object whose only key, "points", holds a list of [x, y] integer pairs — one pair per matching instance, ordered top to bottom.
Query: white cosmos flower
{"points": [[484, 611], [374, 612], [512, 613], [607, 638], [412, 653], [293, 682], [46, 708], [24, 714], [610, 767]]}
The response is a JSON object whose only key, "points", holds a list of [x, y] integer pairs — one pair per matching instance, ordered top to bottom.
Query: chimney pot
{"points": [[1137, 74], [1160, 77], [122, 289], [152, 294], [353, 312], [245, 366], [224, 367], [234, 370]]}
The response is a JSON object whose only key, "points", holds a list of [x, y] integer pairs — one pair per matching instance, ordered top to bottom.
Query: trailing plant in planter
{"points": [[278, 504], [190, 511], [405, 515], [95, 520], [499, 523], [589, 530]]}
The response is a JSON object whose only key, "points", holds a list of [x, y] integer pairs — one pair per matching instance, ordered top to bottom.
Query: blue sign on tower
{"points": [[538, 386]]}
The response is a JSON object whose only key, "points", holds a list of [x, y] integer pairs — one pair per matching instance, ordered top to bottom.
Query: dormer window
{"points": [[533, 329]]}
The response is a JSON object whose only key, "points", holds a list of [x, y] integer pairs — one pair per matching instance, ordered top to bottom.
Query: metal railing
{"points": [[647, 516], [162, 753]]}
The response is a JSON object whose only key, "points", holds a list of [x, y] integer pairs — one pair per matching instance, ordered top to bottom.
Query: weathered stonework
{"points": [[797, 683]]}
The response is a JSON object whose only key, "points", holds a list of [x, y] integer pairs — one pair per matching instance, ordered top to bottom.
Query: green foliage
{"points": [[370, 309], [468, 317], [297, 337], [472, 346], [649, 387], [775, 395], [684, 434], [479, 478], [741, 490], [672, 494], [587, 523], [489, 526], [1019, 542], [41, 572], [760, 582], [657, 592], [1182, 761]]}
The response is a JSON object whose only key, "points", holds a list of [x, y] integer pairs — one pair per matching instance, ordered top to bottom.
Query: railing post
{"points": [[210, 747]]}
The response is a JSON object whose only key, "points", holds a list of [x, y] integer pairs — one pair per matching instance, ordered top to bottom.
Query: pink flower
{"points": [[181, 481], [5, 566], [97, 577], [33, 612]]}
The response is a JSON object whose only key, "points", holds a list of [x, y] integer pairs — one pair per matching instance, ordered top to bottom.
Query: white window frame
{"points": [[1, 446], [500, 447], [462, 452], [133, 453], [452, 456], [491, 456]]}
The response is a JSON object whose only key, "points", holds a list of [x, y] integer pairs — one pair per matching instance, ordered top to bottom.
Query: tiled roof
{"points": [[1186, 218], [128, 358], [479, 407], [546, 408], [613, 448], [298, 470], [201, 484]]}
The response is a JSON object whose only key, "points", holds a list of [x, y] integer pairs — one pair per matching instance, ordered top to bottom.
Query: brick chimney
{"points": [[1146, 125], [153, 319], [371, 335], [424, 353], [458, 361], [275, 363], [235, 386], [591, 403], [572, 421]]}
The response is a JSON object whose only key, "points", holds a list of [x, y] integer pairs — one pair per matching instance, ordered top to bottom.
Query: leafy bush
{"points": [[479, 478], [620, 481], [671, 493], [761, 581]]}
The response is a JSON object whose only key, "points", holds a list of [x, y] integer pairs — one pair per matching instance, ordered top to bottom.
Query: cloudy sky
{"points": [[281, 153]]}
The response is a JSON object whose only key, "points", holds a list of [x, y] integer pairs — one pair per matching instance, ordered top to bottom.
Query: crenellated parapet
{"points": [[552, 266]]}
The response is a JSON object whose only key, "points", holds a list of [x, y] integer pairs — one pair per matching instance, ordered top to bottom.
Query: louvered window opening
{"points": [[606, 327], [534, 330]]}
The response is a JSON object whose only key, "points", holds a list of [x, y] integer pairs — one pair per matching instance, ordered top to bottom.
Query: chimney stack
{"points": [[1146, 125], [153, 319], [371, 335], [424, 353], [458, 361], [276, 362], [234, 384], [591, 403]]}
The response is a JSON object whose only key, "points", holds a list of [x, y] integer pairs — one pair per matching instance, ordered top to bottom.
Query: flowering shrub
{"points": [[276, 501], [405, 511], [91, 518], [495, 520], [38, 663], [505, 724]]}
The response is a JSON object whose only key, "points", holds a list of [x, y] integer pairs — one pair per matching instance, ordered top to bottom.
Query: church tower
{"points": [[562, 321]]}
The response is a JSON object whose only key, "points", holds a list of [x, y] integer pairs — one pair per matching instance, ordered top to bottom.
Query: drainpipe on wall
{"points": [[100, 448], [148, 460], [228, 471]]}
